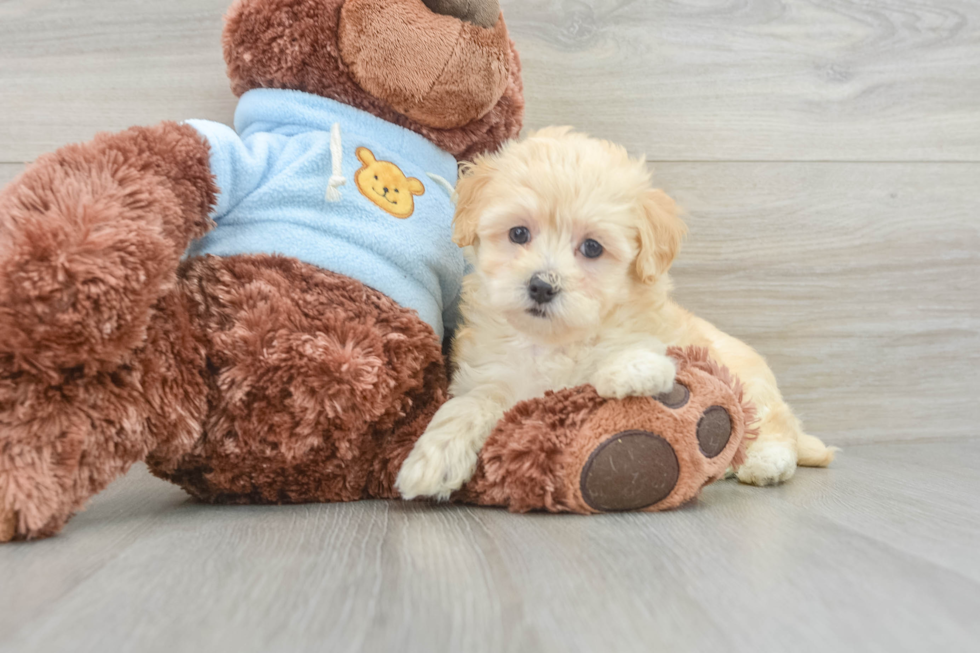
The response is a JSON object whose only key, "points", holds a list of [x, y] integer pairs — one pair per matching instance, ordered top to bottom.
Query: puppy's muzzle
{"points": [[543, 288]]}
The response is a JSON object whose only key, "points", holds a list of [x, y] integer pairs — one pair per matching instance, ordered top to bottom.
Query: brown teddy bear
{"points": [[223, 305]]}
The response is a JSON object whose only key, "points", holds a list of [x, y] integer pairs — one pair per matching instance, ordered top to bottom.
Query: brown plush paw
{"points": [[667, 447], [574, 451], [630, 471], [8, 526]]}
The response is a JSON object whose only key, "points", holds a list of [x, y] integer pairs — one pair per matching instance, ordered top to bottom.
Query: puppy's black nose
{"points": [[540, 290]]}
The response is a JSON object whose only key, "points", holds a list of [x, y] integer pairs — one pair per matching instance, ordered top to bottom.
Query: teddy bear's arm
{"points": [[92, 237]]}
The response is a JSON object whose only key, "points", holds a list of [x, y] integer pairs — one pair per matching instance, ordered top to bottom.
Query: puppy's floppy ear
{"points": [[473, 181], [661, 231]]}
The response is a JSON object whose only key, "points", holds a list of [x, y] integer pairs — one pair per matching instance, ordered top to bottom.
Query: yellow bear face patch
{"points": [[386, 185]]}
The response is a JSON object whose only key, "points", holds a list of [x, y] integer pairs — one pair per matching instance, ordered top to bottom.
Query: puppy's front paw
{"points": [[643, 374], [768, 463], [439, 465]]}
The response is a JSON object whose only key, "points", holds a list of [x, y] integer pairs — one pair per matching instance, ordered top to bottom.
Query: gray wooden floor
{"points": [[827, 153], [877, 553]]}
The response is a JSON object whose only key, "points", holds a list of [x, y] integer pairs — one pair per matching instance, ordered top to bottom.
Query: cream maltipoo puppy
{"points": [[571, 246]]}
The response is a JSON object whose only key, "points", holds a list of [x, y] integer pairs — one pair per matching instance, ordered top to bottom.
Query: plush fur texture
{"points": [[294, 44], [566, 189], [130, 201], [259, 380], [318, 385]]}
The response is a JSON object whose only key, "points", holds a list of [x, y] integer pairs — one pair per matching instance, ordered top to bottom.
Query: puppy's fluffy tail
{"points": [[812, 452]]}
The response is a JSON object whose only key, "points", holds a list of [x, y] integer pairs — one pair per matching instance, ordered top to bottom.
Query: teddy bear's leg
{"points": [[90, 240], [319, 385], [67, 433], [573, 451]]}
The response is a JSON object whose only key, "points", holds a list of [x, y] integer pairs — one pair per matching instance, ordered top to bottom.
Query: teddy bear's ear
{"points": [[454, 75], [365, 156], [415, 186], [661, 231]]}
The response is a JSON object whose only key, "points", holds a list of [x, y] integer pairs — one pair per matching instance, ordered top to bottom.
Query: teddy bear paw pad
{"points": [[676, 398], [714, 431], [630, 471]]}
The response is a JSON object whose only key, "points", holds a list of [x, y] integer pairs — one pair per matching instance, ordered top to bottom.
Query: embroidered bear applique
{"points": [[386, 185]]}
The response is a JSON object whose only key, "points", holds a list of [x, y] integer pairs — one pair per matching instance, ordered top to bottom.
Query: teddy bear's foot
{"points": [[67, 434], [573, 451], [638, 469], [632, 470]]}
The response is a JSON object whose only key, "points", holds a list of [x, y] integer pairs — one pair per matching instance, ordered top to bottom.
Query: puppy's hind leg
{"points": [[782, 445], [812, 452], [772, 458]]}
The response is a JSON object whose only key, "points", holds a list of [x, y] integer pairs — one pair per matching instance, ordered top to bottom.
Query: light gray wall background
{"points": [[827, 153]]}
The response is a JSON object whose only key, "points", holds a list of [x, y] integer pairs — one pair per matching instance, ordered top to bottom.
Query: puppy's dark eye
{"points": [[376, 177], [520, 235], [591, 249]]}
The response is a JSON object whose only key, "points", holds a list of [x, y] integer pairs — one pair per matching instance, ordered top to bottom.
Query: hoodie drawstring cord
{"points": [[337, 179], [443, 184]]}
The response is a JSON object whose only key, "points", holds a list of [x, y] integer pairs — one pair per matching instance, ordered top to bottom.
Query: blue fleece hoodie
{"points": [[341, 189]]}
